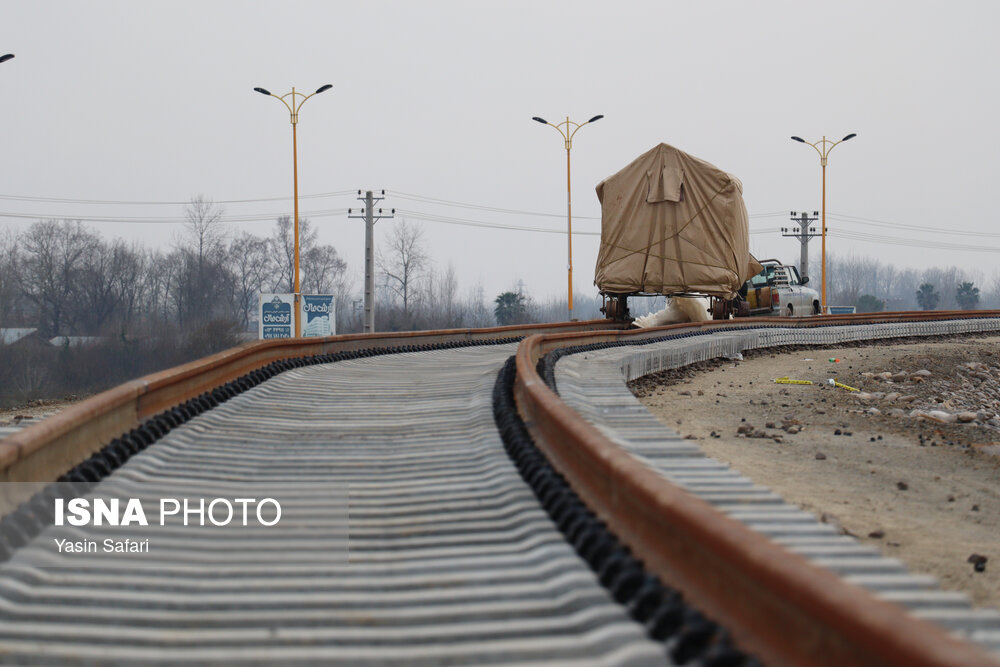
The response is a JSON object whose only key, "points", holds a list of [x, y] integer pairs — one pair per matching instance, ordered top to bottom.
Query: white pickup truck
{"points": [[778, 290]]}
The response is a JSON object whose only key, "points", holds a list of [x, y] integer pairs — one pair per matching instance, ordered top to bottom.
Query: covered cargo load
{"points": [[673, 224]]}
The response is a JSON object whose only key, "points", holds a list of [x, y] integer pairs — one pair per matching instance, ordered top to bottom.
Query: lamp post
{"points": [[5, 57], [293, 110], [564, 129], [823, 147]]}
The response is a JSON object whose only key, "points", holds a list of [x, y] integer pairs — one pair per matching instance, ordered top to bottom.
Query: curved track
{"points": [[451, 556]]}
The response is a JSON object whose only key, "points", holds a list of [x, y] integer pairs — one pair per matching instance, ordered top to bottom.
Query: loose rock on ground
{"points": [[919, 478]]}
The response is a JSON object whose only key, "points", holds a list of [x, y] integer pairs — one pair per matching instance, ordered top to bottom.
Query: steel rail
{"points": [[43, 451], [417, 540], [776, 603]]}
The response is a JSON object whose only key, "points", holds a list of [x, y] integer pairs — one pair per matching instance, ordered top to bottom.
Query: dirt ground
{"points": [[35, 409], [890, 464]]}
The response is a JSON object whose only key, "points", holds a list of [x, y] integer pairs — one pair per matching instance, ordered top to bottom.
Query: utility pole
{"points": [[368, 215], [803, 233]]}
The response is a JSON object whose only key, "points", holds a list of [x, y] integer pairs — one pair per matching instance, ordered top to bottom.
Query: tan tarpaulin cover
{"points": [[671, 223]]}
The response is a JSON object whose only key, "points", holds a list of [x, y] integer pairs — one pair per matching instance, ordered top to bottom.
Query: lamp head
{"points": [[5, 57], [322, 89], [263, 91], [596, 118], [539, 120], [850, 136], [799, 139]]}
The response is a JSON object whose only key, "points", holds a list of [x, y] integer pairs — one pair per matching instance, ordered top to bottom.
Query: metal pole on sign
{"points": [[293, 110]]}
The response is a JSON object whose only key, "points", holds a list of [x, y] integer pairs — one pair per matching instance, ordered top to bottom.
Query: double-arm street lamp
{"points": [[293, 107], [568, 129], [823, 147]]}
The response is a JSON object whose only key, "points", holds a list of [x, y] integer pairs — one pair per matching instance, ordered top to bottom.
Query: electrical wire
{"points": [[60, 200], [482, 207], [773, 214], [260, 217], [466, 222], [898, 225], [908, 242]]}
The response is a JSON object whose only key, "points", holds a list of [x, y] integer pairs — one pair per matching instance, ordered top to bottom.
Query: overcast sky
{"points": [[153, 102]]}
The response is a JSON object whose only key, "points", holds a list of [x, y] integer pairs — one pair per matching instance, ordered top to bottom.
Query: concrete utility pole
{"points": [[368, 214], [803, 233]]}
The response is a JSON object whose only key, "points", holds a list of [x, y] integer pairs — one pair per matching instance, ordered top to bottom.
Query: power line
{"points": [[340, 193], [60, 200], [483, 207], [496, 209], [773, 214], [257, 217], [466, 222], [898, 225], [910, 242]]}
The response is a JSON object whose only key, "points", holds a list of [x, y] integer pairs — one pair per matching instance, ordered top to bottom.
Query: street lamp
{"points": [[5, 57], [293, 109], [564, 129], [823, 147]]}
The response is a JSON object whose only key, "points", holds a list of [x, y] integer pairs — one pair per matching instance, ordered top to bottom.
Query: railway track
{"points": [[534, 517]]}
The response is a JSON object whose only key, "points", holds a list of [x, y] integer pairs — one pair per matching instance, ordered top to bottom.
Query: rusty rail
{"points": [[42, 452], [776, 603]]}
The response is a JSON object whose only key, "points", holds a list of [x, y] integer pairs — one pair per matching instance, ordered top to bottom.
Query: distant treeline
{"points": [[866, 282], [151, 308]]}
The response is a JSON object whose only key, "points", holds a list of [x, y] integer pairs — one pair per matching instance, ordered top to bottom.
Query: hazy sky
{"points": [[153, 102]]}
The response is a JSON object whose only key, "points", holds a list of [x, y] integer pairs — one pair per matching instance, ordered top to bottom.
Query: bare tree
{"points": [[205, 234], [283, 244], [54, 254], [404, 263], [249, 265], [322, 269], [131, 279], [946, 280], [9, 282], [160, 285], [111, 286], [203, 288], [993, 300], [97, 301], [444, 311], [478, 312]]}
